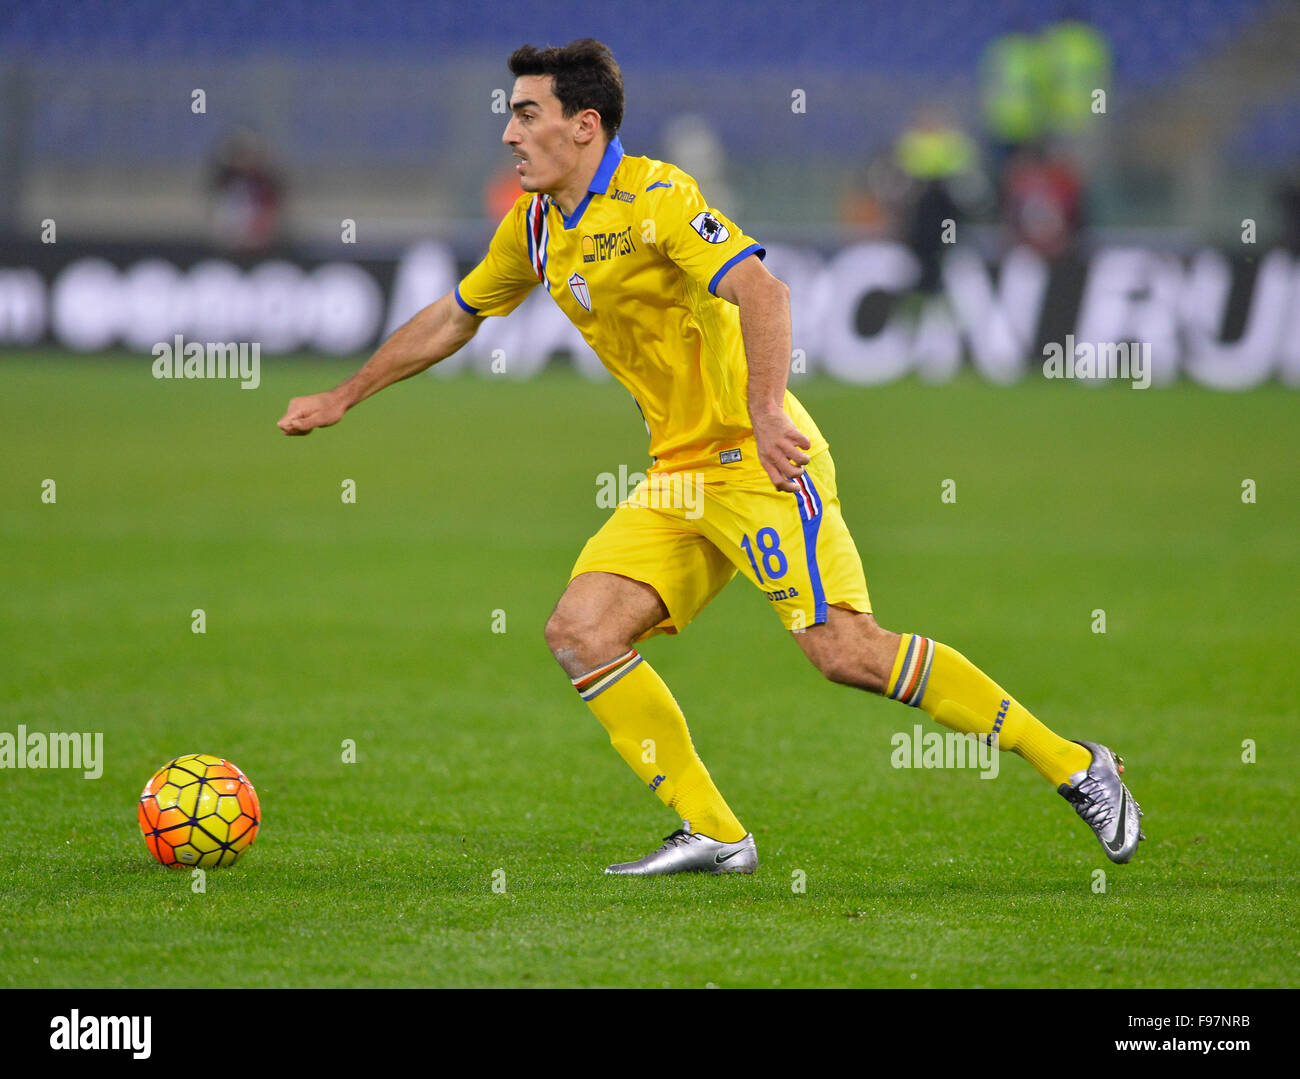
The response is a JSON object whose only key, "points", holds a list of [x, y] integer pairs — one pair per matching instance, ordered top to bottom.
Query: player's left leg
{"points": [[797, 549], [850, 648]]}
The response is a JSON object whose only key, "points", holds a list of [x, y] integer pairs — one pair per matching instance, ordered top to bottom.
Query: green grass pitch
{"points": [[374, 622]]}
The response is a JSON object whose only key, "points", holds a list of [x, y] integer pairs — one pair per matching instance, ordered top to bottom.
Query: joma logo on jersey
{"points": [[624, 196], [601, 246]]}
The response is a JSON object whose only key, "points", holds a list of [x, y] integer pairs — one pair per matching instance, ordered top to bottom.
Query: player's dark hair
{"points": [[586, 77]]}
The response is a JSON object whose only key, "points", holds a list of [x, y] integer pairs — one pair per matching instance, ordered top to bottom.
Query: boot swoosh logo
{"points": [[1118, 842], [718, 859]]}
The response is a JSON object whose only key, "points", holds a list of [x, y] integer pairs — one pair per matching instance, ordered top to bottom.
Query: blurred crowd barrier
{"points": [[1222, 319]]}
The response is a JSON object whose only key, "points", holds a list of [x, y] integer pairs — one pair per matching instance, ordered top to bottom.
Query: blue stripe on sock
{"points": [[902, 674], [592, 694], [915, 702]]}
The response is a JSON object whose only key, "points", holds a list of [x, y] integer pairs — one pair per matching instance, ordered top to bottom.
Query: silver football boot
{"points": [[1101, 799], [687, 852]]}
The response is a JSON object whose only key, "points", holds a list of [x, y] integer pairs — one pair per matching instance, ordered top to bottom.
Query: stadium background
{"points": [[819, 126], [839, 134]]}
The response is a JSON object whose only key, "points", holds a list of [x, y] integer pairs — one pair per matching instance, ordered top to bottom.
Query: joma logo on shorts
{"points": [[782, 593]]}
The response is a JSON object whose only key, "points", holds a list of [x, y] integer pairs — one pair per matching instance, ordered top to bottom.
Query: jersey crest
{"points": [[709, 227], [578, 286]]}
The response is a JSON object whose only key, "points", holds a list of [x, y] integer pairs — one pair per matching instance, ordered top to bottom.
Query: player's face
{"points": [[538, 134]]}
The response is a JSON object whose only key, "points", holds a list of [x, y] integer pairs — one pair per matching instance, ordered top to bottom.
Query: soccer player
{"points": [[674, 298]]}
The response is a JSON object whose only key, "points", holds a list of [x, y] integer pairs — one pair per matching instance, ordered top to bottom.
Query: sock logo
{"points": [[997, 723], [654, 786]]}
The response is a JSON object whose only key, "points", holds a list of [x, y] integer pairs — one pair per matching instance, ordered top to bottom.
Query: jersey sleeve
{"points": [[701, 240], [499, 284]]}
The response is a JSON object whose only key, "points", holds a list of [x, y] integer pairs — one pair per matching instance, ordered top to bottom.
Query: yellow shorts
{"points": [[687, 533]]}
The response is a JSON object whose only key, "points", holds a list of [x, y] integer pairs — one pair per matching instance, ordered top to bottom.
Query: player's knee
{"points": [[562, 632], [577, 640]]}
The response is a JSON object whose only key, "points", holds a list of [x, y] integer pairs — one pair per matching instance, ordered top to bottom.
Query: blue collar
{"points": [[613, 155], [600, 182]]}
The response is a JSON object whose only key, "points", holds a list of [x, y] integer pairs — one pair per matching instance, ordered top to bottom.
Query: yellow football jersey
{"points": [[635, 267]]}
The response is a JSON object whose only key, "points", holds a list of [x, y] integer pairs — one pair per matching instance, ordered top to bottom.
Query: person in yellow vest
{"points": [[1078, 65], [1013, 92], [946, 185]]}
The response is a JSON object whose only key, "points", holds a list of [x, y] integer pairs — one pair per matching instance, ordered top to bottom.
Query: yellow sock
{"points": [[954, 692], [648, 729]]}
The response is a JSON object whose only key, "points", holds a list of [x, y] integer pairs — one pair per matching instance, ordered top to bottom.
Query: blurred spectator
{"points": [[1077, 61], [1013, 86], [1042, 87], [945, 185], [247, 193], [501, 193], [1042, 200], [873, 204]]}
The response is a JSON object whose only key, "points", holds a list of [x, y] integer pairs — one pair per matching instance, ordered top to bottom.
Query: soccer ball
{"points": [[199, 810]]}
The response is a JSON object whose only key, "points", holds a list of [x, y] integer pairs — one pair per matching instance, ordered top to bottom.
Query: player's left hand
{"points": [[780, 448]]}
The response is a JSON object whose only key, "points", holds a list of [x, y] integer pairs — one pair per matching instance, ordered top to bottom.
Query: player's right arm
{"points": [[496, 286], [433, 334]]}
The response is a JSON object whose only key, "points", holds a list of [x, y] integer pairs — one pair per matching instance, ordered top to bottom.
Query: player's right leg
{"points": [[592, 633]]}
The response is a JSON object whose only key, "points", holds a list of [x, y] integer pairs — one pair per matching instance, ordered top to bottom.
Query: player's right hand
{"points": [[305, 414], [781, 448]]}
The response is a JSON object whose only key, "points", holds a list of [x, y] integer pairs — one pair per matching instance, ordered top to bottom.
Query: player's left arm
{"points": [[764, 303]]}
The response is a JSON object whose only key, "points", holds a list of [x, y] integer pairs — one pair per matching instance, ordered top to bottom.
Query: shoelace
{"points": [[1091, 804], [678, 837]]}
